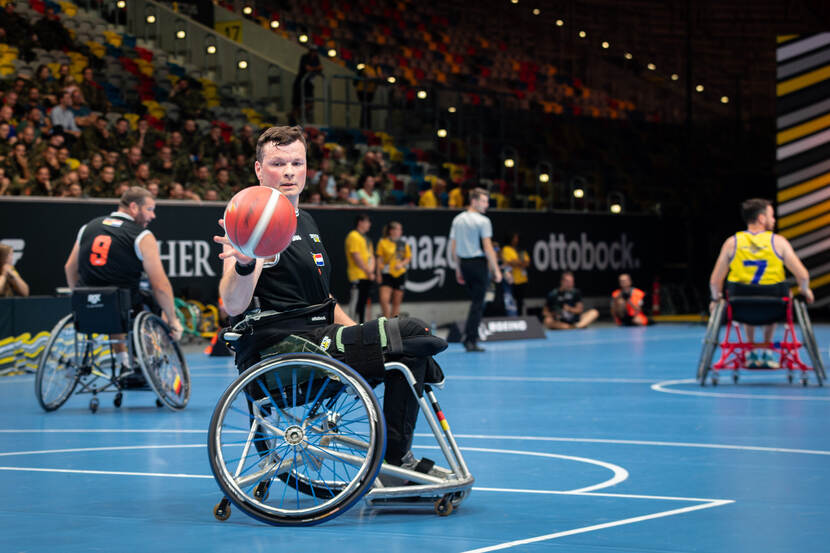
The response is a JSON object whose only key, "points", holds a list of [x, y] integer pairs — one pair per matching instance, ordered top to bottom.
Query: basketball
{"points": [[260, 221]]}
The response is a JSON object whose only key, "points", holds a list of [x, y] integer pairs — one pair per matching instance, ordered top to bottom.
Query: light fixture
{"points": [[514, 1], [121, 4], [247, 10], [536, 11], [151, 19], [559, 22], [275, 24], [181, 34], [582, 34], [303, 38], [605, 44], [211, 49], [332, 52], [628, 55], [242, 64], [361, 66], [651, 67], [674, 76], [390, 79], [699, 88], [422, 94], [724, 99], [451, 109], [442, 133], [509, 162], [544, 177], [579, 193], [616, 208]]}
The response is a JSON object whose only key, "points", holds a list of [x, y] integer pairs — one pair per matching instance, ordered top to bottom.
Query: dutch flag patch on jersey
{"points": [[318, 259]]}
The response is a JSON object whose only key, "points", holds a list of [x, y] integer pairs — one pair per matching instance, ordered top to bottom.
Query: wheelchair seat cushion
{"points": [[757, 304]]}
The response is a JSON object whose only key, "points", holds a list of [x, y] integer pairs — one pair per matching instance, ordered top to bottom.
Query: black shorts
{"points": [[396, 283], [736, 289]]}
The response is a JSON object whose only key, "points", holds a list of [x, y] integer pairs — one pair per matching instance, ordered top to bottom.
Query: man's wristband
{"points": [[244, 270]]}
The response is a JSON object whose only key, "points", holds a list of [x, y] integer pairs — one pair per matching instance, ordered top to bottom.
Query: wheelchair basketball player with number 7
{"points": [[753, 263], [300, 436]]}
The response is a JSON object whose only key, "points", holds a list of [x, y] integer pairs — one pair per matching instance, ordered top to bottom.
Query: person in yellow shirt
{"points": [[431, 198], [456, 198], [393, 260], [518, 261], [753, 262], [360, 266]]}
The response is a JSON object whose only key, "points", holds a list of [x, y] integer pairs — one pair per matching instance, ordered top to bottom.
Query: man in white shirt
{"points": [[62, 115], [472, 251]]}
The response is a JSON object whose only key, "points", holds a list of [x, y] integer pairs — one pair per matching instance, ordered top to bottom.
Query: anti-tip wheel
{"points": [[117, 399], [159, 403], [93, 404], [443, 507], [222, 510]]}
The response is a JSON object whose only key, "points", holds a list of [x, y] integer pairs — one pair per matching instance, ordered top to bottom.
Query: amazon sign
{"points": [[595, 247]]}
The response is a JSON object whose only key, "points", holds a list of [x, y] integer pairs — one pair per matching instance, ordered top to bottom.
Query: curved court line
{"points": [[661, 387], [620, 474]]}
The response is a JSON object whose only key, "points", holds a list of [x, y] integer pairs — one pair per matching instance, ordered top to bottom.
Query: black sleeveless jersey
{"points": [[108, 253], [302, 274]]}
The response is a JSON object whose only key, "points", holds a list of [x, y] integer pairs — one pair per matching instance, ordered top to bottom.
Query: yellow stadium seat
{"points": [[68, 8], [6, 70], [132, 118], [72, 163]]}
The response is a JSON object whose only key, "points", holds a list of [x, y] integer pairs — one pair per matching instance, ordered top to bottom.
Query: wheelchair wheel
{"points": [[809, 339], [710, 342], [161, 361], [57, 370], [296, 439]]}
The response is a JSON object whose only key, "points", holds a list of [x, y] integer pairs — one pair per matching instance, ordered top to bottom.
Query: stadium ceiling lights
{"points": [[121, 4], [247, 10], [536, 11], [151, 19], [559, 22], [275, 24], [181, 34], [582, 34], [303, 38], [605, 45], [211, 49], [332, 52], [628, 55], [242, 64], [361, 66], [651, 67], [674, 76], [391, 80], [699, 88], [422, 94], [724, 99], [451, 109], [442, 133], [509, 162], [544, 177], [579, 193], [615, 208]]}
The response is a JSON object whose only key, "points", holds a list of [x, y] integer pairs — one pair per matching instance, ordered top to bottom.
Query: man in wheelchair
{"points": [[114, 249], [753, 262], [290, 295]]}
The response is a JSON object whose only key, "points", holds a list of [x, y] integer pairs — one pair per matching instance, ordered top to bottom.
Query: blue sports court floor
{"points": [[588, 441]]}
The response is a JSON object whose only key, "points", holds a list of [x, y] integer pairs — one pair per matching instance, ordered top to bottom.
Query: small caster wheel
{"points": [[735, 378], [790, 378], [714, 381], [804, 382], [117, 399], [159, 403], [93, 404], [262, 490], [443, 507], [222, 511]]}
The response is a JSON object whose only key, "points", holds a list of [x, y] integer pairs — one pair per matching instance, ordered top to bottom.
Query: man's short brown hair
{"points": [[279, 136], [476, 193], [134, 194], [752, 208]]}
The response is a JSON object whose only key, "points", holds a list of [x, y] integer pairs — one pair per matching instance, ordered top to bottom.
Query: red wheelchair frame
{"points": [[734, 348]]}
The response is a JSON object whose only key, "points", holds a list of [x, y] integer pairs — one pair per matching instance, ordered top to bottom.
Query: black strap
{"points": [[393, 336]]}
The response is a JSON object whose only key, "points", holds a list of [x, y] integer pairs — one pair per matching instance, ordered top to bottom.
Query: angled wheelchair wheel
{"points": [[809, 339], [710, 342], [161, 361], [58, 367], [296, 439]]}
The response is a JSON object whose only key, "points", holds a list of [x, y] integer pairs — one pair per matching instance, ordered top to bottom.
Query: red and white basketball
{"points": [[260, 221]]}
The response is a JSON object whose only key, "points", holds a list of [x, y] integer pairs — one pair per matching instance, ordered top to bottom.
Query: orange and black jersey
{"points": [[108, 252]]}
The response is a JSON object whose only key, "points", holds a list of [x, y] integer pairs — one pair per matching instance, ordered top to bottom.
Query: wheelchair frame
{"points": [[733, 353], [85, 363], [441, 489]]}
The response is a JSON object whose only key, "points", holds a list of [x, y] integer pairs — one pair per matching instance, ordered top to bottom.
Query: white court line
{"points": [[553, 379], [661, 387], [470, 436], [640, 442], [108, 448], [109, 472], [586, 529]]}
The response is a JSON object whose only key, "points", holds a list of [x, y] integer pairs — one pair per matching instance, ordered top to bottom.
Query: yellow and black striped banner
{"points": [[803, 152]]}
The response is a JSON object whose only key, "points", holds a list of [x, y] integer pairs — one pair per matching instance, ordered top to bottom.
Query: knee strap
{"points": [[411, 336], [361, 348]]}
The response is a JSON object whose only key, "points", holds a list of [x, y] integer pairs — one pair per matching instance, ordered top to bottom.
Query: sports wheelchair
{"points": [[759, 310], [80, 352], [299, 438]]}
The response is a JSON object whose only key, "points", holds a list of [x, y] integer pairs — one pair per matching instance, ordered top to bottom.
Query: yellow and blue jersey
{"points": [[755, 260]]}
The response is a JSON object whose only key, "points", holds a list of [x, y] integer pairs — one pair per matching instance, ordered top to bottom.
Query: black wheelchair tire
{"points": [[67, 321], [145, 323], [809, 338], [710, 342], [248, 504]]}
